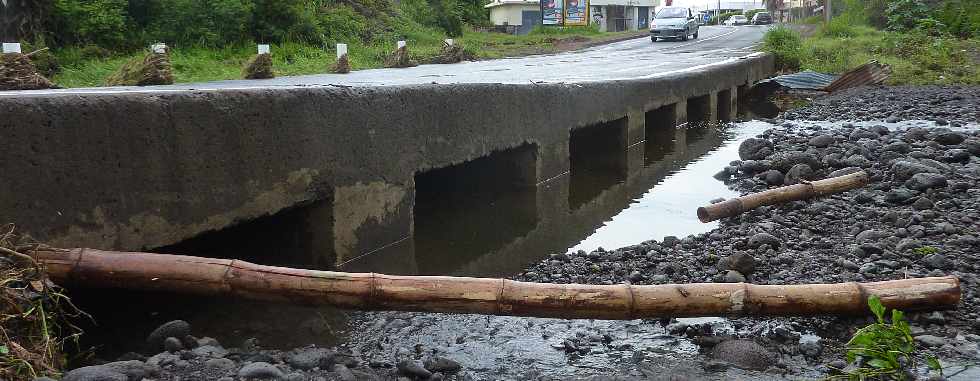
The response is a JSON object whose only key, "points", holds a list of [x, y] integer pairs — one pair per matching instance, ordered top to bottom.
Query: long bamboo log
{"points": [[780, 195], [234, 278]]}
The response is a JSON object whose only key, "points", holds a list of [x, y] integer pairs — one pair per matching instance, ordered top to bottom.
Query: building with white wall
{"points": [[510, 12], [609, 15], [620, 15]]}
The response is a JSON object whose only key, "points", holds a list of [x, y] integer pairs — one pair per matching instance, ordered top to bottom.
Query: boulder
{"points": [[754, 149], [924, 181], [744, 354]]}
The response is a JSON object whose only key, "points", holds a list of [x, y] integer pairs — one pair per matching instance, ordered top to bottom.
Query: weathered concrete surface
{"points": [[142, 170]]}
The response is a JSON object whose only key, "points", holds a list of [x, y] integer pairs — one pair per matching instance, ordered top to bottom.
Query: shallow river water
{"points": [[654, 201]]}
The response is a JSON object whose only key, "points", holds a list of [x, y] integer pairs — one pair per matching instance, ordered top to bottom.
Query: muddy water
{"points": [[475, 235]]}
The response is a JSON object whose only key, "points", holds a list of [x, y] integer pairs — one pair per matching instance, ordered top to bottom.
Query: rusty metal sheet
{"points": [[871, 73], [804, 80]]}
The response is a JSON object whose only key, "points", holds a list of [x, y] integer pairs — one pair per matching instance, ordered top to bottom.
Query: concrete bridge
{"points": [[146, 169]]}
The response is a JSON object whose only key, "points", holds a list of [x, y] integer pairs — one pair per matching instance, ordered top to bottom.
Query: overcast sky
{"points": [[713, 3]]}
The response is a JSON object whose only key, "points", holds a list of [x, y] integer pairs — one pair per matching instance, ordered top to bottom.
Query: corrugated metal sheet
{"points": [[871, 73], [804, 80]]}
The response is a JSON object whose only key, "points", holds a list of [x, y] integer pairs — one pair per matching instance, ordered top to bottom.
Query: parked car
{"points": [[762, 18], [737, 20], [674, 22]]}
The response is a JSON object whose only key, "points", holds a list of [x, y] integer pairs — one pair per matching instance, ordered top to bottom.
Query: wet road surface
{"points": [[631, 59]]}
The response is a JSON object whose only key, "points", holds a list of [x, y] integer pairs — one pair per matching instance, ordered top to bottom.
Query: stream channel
{"points": [[500, 237]]}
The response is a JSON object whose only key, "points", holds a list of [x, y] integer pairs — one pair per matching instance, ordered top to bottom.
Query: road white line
{"points": [[700, 40]]}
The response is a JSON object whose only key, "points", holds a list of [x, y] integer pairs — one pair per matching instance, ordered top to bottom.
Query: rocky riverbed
{"points": [[920, 216]]}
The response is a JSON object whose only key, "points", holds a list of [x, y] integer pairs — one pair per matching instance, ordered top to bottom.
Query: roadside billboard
{"points": [[552, 12], [564, 12], [576, 12]]}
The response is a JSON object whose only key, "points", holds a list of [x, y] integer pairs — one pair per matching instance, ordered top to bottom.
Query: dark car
{"points": [[762, 18]]}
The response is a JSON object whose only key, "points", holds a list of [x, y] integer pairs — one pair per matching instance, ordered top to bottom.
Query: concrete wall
{"points": [[144, 170]]}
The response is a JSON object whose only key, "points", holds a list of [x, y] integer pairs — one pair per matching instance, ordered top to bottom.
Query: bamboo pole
{"points": [[780, 195], [370, 291]]}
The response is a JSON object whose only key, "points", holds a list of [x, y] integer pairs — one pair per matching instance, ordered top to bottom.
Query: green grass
{"points": [[916, 59], [198, 64]]}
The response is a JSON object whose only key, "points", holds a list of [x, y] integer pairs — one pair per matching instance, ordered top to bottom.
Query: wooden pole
{"points": [[828, 13], [780, 195], [233, 278]]}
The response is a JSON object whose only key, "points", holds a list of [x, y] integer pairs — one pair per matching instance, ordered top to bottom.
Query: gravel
{"points": [[920, 216]]}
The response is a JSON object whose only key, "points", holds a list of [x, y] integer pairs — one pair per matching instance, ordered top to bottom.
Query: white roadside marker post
{"points": [[11, 47]]}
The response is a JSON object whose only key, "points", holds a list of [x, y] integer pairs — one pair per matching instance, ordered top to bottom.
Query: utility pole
{"points": [[828, 13]]}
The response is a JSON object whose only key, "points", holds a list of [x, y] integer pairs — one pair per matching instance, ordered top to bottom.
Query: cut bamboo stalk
{"points": [[796, 192], [370, 291]]}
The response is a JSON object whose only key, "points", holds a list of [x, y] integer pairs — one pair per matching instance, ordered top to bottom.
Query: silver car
{"points": [[674, 22]]}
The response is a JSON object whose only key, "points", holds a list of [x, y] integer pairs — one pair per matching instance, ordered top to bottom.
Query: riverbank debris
{"points": [[453, 53], [399, 59], [342, 66], [259, 67], [152, 69], [18, 73], [869, 74], [795, 192], [371, 291], [34, 314]]}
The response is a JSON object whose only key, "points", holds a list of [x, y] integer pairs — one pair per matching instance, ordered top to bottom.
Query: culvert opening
{"points": [[725, 105], [699, 110], [698, 117], [661, 129], [598, 160], [468, 210], [297, 237], [300, 237]]}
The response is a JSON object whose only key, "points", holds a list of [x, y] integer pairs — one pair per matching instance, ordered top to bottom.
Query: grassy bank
{"points": [[925, 43], [916, 58], [81, 67]]}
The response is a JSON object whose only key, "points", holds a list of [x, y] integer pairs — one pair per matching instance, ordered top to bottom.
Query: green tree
{"points": [[100, 22], [202, 22]]}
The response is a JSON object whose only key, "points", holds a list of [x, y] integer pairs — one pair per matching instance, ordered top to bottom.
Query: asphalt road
{"points": [[629, 59]]}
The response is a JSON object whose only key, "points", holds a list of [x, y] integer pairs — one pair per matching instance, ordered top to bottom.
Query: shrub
{"points": [[419, 11], [472, 12], [904, 15], [448, 17], [960, 18], [278, 20], [100, 22], [207, 23], [341, 24], [839, 28], [786, 44], [883, 350]]}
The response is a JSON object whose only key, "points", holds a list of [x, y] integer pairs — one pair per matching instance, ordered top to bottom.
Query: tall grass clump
{"points": [[787, 45]]}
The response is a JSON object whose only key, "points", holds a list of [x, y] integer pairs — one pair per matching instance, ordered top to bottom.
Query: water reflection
{"points": [[667, 206], [469, 233]]}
